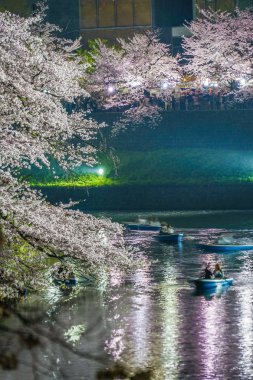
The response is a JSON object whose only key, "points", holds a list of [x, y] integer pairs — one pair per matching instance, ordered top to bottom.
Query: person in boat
{"points": [[142, 221], [154, 222], [167, 229], [226, 240], [62, 272], [208, 272], [218, 272]]}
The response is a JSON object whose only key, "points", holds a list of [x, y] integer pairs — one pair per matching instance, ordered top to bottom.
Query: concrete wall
{"points": [[217, 129]]}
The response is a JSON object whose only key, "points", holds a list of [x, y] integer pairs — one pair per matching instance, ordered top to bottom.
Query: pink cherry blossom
{"points": [[39, 75]]}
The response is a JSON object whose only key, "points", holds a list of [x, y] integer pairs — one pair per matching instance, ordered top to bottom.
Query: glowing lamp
{"points": [[206, 82], [165, 85], [110, 89], [100, 171]]}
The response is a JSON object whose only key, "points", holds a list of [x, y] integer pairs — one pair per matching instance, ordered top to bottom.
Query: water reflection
{"points": [[209, 294], [140, 318], [153, 318], [170, 322], [130, 325], [246, 331], [211, 338]]}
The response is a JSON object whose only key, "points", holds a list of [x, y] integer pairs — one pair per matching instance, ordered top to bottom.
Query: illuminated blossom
{"points": [[220, 48], [134, 76], [40, 81]]}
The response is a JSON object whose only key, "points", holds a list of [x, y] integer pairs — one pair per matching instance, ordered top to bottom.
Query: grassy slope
{"points": [[89, 180]]}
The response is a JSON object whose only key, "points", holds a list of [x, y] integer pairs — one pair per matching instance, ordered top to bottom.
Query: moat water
{"points": [[152, 319]]}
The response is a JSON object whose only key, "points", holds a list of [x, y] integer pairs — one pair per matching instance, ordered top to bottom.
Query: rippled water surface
{"points": [[154, 319]]}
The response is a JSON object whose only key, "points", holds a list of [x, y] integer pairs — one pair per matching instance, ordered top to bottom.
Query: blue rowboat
{"points": [[142, 227], [169, 238], [225, 247], [67, 282], [204, 283]]}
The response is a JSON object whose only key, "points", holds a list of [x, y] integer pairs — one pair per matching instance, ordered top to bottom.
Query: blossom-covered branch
{"points": [[220, 48], [133, 76], [39, 85]]}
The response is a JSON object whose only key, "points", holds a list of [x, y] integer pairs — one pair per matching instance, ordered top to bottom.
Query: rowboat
{"points": [[142, 227], [169, 238], [225, 247], [68, 282], [204, 283]]}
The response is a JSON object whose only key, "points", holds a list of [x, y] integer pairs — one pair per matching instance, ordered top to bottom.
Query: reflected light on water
{"points": [[141, 318], [154, 318], [170, 324], [131, 325], [246, 331], [211, 337], [115, 345]]}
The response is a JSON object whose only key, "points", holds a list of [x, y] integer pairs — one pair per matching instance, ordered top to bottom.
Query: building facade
{"points": [[110, 19]]}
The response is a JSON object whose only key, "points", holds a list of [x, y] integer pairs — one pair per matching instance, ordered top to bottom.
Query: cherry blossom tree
{"points": [[220, 48], [134, 76], [39, 84]]}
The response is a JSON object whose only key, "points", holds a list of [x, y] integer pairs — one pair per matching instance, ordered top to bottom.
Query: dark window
{"points": [[211, 4], [223, 5], [106, 10], [142, 12], [115, 13], [125, 13], [88, 14]]}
